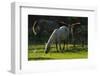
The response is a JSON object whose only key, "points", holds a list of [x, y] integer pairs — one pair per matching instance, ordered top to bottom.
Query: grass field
{"points": [[36, 52]]}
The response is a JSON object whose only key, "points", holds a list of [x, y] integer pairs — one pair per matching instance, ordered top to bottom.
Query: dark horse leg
{"points": [[73, 40], [73, 43], [83, 43], [67, 45], [59, 46], [63, 46]]}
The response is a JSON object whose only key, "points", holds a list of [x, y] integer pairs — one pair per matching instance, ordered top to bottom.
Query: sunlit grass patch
{"points": [[36, 52]]}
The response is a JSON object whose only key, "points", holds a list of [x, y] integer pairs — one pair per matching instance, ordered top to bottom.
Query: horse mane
{"points": [[51, 39]]}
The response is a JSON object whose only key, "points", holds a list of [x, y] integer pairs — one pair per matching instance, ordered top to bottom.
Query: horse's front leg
{"points": [[73, 39], [57, 46]]}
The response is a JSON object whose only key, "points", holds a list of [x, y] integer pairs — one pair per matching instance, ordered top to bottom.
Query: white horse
{"points": [[58, 36]]}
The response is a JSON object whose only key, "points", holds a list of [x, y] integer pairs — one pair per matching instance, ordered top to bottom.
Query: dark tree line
{"points": [[80, 31]]}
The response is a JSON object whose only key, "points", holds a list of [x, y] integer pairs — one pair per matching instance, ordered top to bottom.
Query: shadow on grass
{"points": [[39, 58]]}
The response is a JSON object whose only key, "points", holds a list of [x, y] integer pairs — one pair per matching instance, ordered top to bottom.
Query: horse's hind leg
{"points": [[74, 43], [59, 46], [63, 46], [66, 46]]}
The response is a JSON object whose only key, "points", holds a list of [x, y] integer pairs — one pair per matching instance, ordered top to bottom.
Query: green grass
{"points": [[36, 52]]}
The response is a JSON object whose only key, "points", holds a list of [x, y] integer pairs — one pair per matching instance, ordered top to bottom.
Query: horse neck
{"points": [[52, 38], [50, 41]]}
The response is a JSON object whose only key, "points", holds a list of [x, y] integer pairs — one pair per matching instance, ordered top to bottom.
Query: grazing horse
{"points": [[73, 29], [79, 33], [58, 36]]}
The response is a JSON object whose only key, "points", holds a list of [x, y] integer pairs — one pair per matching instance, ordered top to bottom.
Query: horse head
{"points": [[47, 48]]}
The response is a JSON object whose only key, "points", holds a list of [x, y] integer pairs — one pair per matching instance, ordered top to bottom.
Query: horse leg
{"points": [[74, 41], [83, 43], [67, 45], [57, 46], [63, 46]]}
